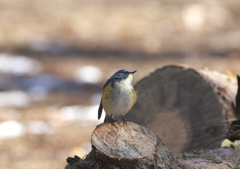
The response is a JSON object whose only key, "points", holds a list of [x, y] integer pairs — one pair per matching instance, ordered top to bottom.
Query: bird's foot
{"points": [[124, 121]]}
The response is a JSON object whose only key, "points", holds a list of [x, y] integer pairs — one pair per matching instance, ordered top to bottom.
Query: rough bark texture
{"points": [[184, 106], [220, 158]]}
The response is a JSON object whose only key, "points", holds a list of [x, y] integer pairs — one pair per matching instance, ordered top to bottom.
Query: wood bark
{"points": [[185, 106]]}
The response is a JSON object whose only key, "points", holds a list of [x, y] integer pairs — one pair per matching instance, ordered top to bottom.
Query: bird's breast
{"points": [[118, 98]]}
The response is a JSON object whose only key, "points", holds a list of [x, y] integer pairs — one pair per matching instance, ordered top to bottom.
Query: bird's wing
{"points": [[105, 85], [100, 106], [100, 110]]}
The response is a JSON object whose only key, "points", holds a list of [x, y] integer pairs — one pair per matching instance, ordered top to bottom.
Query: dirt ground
{"points": [[63, 36]]}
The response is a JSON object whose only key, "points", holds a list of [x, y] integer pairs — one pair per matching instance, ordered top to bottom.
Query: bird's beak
{"points": [[133, 72]]}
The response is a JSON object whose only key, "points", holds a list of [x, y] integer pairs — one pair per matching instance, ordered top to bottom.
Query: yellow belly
{"points": [[118, 100]]}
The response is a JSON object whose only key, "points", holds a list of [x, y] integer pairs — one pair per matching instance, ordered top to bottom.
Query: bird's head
{"points": [[123, 74]]}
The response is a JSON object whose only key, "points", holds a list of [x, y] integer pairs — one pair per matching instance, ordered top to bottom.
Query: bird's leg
{"points": [[112, 118], [108, 119], [123, 120]]}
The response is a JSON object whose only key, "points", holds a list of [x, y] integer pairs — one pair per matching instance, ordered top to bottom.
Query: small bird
{"points": [[118, 95]]}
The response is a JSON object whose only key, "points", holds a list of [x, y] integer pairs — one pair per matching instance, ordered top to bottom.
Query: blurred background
{"points": [[56, 55]]}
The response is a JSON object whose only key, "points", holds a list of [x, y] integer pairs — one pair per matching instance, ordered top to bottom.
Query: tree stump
{"points": [[184, 107], [128, 145], [135, 145]]}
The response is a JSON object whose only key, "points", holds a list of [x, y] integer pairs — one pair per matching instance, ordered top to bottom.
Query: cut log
{"points": [[185, 107], [128, 145], [135, 145], [219, 158]]}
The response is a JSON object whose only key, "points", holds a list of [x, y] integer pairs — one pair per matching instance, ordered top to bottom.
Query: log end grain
{"points": [[124, 140], [128, 144]]}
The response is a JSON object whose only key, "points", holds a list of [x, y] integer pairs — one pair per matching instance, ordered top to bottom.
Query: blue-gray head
{"points": [[120, 75]]}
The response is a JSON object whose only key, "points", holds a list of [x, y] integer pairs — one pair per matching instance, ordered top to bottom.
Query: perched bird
{"points": [[118, 95]]}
